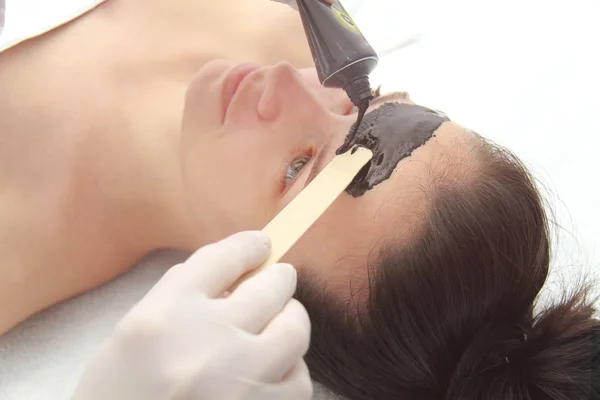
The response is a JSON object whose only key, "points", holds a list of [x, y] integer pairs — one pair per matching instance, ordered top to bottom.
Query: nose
{"points": [[288, 94]]}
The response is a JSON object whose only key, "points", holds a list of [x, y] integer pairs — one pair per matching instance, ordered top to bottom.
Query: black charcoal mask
{"points": [[392, 132]]}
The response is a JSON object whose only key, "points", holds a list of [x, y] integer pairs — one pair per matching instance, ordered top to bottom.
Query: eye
{"points": [[295, 167]]}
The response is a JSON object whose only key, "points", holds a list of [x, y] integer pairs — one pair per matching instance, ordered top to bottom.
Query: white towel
{"points": [[2, 13], [24, 19], [43, 358]]}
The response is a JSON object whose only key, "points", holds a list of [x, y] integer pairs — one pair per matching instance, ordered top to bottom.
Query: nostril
{"points": [[380, 160]]}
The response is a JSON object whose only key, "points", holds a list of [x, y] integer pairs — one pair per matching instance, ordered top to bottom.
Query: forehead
{"points": [[392, 132], [347, 237]]}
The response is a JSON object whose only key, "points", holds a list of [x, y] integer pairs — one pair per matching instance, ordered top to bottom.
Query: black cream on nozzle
{"points": [[343, 57]]}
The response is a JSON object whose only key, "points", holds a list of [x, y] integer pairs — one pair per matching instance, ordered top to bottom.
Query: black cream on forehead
{"points": [[392, 132]]}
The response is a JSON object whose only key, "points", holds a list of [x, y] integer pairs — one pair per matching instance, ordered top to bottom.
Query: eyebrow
{"points": [[394, 96], [388, 97], [385, 98], [320, 160], [318, 164]]}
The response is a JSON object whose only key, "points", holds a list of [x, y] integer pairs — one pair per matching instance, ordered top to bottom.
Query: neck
{"points": [[83, 213], [55, 243]]}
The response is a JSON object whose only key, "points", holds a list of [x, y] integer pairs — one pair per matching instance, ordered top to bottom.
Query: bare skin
{"points": [[93, 87], [117, 138]]}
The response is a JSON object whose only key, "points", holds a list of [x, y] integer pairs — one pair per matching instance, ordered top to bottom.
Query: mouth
{"points": [[233, 81]]}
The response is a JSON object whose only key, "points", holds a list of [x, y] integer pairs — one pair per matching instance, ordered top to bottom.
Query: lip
{"points": [[232, 82]]}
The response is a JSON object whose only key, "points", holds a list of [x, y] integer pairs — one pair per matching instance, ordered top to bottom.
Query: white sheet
{"points": [[24, 19], [522, 73]]}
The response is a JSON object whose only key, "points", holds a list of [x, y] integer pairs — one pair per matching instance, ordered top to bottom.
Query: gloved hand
{"points": [[294, 4], [187, 340]]}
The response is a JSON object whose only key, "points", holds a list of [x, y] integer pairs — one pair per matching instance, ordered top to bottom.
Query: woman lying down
{"points": [[126, 131]]}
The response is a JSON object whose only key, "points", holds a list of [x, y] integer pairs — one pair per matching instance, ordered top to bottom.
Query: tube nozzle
{"points": [[359, 91]]}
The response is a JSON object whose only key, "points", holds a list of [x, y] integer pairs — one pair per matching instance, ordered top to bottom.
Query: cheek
{"points": [[238, 167], [231, 182]]}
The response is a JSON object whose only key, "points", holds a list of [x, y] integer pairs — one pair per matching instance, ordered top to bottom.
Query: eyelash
{"points": [[295, 167]]}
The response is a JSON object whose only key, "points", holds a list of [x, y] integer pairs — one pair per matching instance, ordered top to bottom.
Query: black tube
{"points": [[343, 57]]}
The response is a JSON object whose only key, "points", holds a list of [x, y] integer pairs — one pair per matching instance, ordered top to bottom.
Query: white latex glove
{"points": [[294, 4], [186, 340]]}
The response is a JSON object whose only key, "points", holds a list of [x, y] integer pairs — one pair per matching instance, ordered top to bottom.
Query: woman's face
{"points": [[252, 137]]}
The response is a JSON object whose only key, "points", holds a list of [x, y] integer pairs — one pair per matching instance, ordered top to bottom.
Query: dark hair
{"points": [[450, 315]]}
